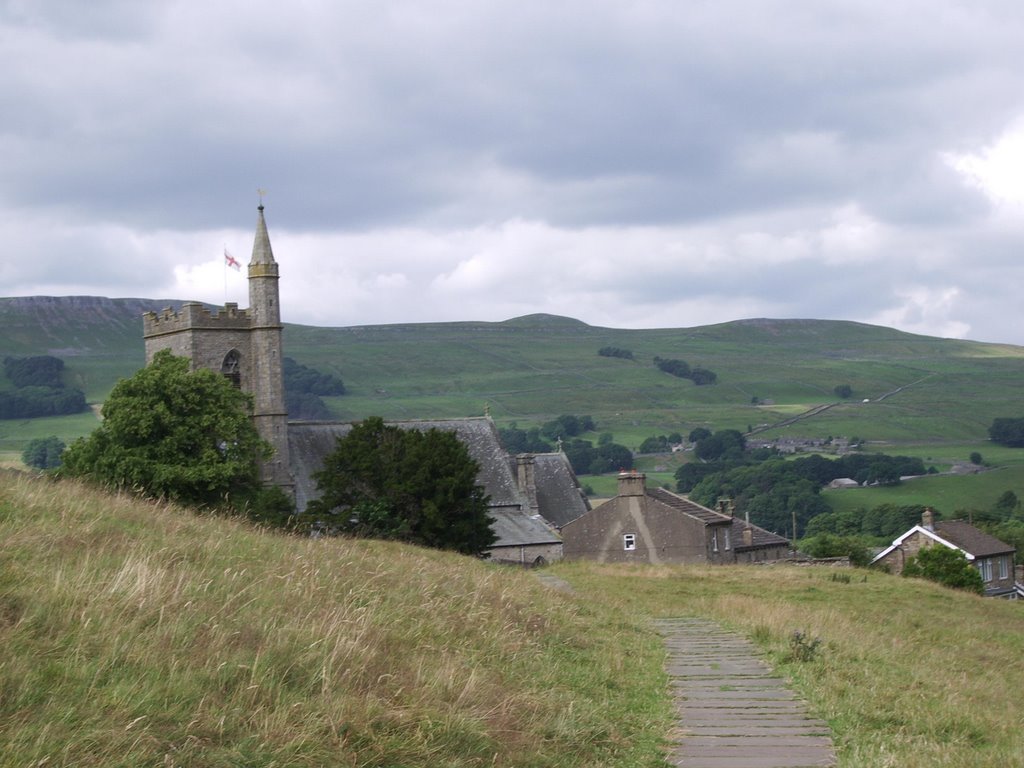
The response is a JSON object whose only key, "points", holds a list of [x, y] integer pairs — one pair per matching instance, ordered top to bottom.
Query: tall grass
{"points": [[136, 633], [909, 674]]}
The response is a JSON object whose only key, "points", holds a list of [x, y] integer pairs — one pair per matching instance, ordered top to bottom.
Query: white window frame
{"points": [[714, 539], [628, 542], [728, 543], [985, 566], [1004, 567]]}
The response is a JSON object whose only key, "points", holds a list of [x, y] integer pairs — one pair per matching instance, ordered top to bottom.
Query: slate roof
{"points": [[309, 442], [558, 491], [705, 515], [515, 528], [761, 538], [970, 539]]}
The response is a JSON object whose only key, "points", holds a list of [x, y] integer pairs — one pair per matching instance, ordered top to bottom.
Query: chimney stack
{"points": [[526, 479], [632, 483], [928, 519], [748, 536]]}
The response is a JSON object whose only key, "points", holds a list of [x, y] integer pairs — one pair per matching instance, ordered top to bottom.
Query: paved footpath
{"points": [[733, 713]]}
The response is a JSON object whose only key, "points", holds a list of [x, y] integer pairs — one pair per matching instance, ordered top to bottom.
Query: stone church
{"points": [[529, 494]]}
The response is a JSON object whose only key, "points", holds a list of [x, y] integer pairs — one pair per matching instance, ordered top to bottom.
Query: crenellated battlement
{"points": [[194, 316]]}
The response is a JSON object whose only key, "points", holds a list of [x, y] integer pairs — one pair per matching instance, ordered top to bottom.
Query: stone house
{"points": [[529, 494], [655, 526], [993, 558]]}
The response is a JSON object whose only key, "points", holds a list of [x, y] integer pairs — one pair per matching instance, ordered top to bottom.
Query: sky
{"points": [[632, 164]]}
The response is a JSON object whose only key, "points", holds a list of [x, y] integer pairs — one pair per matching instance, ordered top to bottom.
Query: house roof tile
{"points": [[970, 539]]}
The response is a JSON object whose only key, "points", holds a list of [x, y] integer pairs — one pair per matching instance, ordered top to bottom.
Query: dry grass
{"points": [[140, 634], [909, 674]]}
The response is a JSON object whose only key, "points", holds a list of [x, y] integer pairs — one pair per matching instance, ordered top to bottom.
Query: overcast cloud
{"points": [[654, 163]]}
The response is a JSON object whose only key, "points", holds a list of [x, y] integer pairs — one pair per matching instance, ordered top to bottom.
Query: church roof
{"points": [[262, 253], [309, 442], [558, 493]]}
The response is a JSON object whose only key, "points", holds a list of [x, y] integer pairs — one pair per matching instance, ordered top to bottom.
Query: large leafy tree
{"points": [[169, 432], [409, 485], [946, 566]]}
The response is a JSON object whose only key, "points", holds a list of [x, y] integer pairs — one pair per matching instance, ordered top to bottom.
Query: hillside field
{"points": [[927, 397], [138, 633]]}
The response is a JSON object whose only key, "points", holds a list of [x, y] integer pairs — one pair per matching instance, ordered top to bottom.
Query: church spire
{"points": [[262, 253]]}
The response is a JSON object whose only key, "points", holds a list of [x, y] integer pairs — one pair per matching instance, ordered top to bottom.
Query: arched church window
{"points": [[232, 367]]}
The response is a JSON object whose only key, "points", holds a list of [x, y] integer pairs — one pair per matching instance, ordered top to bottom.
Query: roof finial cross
{"points": [[261, 192]]}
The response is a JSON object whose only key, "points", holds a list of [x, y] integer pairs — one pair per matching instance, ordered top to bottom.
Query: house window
{"points": [[714, 540], [629, 541], [727, 542], [985, 566], [1004, 567]]}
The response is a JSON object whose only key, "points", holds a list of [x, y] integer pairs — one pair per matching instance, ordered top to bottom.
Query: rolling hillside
{"points": [[922, 393]]}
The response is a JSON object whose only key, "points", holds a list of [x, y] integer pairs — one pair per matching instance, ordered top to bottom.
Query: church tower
{"points": [[243, 345], [269, 412]]}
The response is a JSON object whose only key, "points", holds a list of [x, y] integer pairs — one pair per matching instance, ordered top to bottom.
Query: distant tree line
{"points": [[615, 352], [683, 370], [39, 371], [303, 389], [39, 390], [1007, 431], [660, 443], [585, 457], [773, 490], [884, 521]]}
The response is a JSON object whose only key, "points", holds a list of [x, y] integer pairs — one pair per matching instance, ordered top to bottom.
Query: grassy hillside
{"points": [[925, 396], [140, 634], [908, 675]]}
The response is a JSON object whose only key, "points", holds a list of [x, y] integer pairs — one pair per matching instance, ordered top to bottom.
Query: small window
{"points": [[231, 368], [714, 540], [629, 541], [728, 543], [985, 566], [1004, 567]]}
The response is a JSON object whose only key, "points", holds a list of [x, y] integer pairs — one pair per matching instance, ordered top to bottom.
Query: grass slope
{"points": [[137, 634], [141, 634], [909, 674]]}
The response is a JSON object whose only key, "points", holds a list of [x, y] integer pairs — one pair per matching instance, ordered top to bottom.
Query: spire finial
{"points": [[261, 192]]}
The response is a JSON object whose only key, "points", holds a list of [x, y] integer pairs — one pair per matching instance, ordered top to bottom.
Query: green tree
{"points": [[843, 391], [1007, 431], [168, 432], [698, 433], [43, 452], [976, 458], [408, 485], [1006, 504], [830, 545], [946, 566]]}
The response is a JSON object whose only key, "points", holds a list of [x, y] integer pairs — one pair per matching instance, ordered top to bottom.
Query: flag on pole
{"points": [[231, 261]]}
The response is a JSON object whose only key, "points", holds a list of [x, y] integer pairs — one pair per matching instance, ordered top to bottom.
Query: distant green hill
{"points": [[908, 391]]}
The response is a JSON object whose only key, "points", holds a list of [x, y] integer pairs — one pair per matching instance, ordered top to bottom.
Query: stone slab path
{"points": [[733, 712]]}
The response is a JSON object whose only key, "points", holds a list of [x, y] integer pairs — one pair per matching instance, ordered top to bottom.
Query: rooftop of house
{"points": [[705, 515], [970, 539]]}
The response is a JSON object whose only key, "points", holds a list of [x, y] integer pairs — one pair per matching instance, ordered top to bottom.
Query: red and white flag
{"points": [[231, 261]]}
